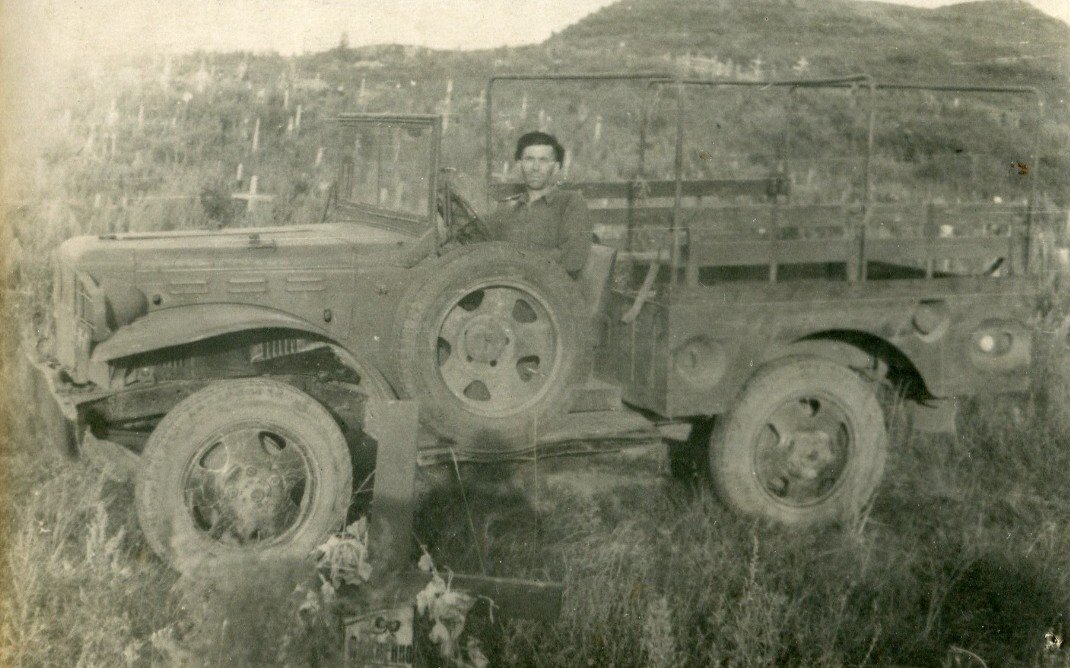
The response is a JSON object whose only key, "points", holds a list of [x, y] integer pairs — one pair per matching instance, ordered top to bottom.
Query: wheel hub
{"points": [[484, 340], [497, 349], [803, 451], [810, 453], [246, 487], [256, 501]]}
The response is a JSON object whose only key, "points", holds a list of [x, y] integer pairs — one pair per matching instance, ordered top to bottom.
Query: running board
{"points": [[596, 395], [572, 434]]}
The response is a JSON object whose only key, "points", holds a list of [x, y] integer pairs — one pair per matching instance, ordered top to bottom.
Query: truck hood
{"points": [[328, 245]]}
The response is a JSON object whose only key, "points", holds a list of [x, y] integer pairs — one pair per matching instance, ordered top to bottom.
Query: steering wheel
{"points": [[458, 219]]}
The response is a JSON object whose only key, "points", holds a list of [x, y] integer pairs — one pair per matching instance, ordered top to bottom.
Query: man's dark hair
{"points": [[538, 138]]}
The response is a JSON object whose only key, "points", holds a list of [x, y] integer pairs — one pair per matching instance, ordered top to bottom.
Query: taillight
{"points": [[1000, 345]]}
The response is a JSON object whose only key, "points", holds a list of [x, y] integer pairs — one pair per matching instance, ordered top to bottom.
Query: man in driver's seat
{"points": [[544, 216]]}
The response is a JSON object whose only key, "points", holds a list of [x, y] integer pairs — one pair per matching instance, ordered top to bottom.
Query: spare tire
{"points": [[491, 340]]}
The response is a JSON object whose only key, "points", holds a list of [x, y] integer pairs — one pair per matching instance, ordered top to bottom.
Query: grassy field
{"points": [[960, 561]]}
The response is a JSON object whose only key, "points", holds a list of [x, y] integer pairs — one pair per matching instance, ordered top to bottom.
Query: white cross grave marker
{"points": [[252, 197]]}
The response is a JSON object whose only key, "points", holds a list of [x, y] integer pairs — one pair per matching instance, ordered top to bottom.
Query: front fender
{"points": [[189, 324]]}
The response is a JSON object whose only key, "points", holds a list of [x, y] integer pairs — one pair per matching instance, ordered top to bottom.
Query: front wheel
{"points": [[804, 444], [244, 468]]}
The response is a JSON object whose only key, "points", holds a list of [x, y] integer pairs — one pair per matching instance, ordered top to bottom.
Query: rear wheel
{"points": [[805, 443], [244, 468]]}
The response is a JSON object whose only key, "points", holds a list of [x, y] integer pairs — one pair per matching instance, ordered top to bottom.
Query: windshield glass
{"points": [[388, 167]]}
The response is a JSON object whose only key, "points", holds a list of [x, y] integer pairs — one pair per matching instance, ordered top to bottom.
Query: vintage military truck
{"points": [[233, 365]]}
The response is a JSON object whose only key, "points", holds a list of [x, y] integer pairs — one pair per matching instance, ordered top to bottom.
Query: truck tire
{"points": [[491, 341], [805, 443], [242, 469]]}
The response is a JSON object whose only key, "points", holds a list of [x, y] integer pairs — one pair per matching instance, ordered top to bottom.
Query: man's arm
{"points": [[576, 230]]}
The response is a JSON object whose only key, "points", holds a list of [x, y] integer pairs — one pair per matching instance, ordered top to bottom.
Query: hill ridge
{"points": [[964, 42]]}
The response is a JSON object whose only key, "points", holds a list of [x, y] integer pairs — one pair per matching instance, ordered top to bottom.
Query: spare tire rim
{"points": [[498, 349], [802, 450], [249, 485]]}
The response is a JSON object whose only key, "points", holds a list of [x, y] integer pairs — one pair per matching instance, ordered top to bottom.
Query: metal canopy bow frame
{"points": [[658, 80]]}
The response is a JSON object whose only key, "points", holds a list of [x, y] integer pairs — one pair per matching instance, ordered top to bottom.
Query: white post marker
{"points": [[446, 104], [256, 136], [319, 156], [238, 175], [252, 197]]}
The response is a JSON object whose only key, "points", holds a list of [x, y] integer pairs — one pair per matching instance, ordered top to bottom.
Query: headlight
{"points": [[123, 303]]}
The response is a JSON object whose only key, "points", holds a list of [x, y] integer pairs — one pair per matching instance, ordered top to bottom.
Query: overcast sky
{"points": [[293, 26]]}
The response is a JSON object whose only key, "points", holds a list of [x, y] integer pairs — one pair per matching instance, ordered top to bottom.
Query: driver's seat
{"points": [[594, 278]]}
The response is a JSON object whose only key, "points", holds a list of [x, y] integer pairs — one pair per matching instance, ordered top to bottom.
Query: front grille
{"points": [[77, 302], [63, 305], [83, 305], [276, 348]]}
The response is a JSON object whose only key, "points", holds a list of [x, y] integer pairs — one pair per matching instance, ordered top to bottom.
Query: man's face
{"points": [[539, 166]]}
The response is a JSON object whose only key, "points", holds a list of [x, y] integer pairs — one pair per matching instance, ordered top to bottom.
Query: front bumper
{"points": [[54, 406]]}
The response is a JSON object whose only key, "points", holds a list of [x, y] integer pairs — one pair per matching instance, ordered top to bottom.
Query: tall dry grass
{"points": [[962, 555], [962, 558]]}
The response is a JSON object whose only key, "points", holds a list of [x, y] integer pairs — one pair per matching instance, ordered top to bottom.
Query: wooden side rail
{"points": [[768, 188], [640, 216], [729, 219], [930, 219], [950, 248], [709, 250], [724, 250]]}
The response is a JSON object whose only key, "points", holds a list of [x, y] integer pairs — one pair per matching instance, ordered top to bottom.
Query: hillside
{"points": [[998, 41], [157, 143]]}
